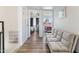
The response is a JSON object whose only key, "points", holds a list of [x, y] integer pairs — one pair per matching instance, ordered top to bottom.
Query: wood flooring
{"points": [[34, 44]]}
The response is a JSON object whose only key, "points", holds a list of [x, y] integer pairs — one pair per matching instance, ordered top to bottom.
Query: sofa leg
{"points": [[48, 48], [75, 52]]}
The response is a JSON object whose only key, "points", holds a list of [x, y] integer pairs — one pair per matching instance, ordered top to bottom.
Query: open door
{"points": [[1, 37]]}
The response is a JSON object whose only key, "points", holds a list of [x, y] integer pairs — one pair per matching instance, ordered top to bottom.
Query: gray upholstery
{"points": [[60, 32], [55, 33], [50, 36], [54, 37], [58, 37], [67, 39], [52, 40], [63, 42], [57, 47]]}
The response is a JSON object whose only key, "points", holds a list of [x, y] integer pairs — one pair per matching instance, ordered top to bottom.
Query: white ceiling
{"points": [[41, 7], [48, 7]]}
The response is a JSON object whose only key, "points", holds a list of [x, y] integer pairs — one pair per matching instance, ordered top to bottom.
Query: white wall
{"points": [[9, 16], [19, 18], [15, 19], [28, 22], [70, 22], [24, 24], [23, 28], [41, 32]]}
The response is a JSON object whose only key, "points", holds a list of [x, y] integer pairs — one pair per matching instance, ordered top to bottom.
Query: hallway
{"points": [[34, 44]]}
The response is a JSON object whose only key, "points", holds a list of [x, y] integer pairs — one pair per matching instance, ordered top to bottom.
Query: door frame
{"points": [[2, 22]]}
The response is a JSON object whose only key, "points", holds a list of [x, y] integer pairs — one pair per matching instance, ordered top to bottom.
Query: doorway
{"points": [[31, 25], [34, 25], [37, 25]]}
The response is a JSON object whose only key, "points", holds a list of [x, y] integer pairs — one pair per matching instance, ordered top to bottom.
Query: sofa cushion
{"points": [[55, 32], [59, 32], [50, 36], [68, 36], [58, 37], [67, 39], [52, 40], [65, 42], [57, 47]]}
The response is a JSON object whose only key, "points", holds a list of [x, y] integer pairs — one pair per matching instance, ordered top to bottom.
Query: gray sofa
{"points": [[61, 41]]}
